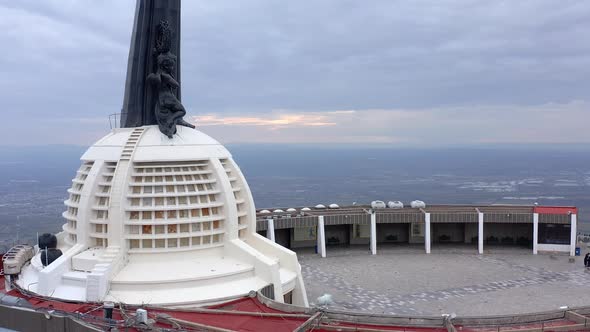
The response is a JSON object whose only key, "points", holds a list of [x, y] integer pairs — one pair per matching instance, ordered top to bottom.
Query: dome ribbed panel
{"points": [[239, 195], [173, 206], [100, 208], [71, 214]]}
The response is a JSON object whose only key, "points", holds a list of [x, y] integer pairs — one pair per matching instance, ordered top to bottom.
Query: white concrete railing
{"points": [[287, 259], [266, 268], [50, 277], [98, 281]]}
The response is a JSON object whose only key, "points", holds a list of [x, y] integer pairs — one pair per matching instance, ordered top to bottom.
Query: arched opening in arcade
{"points": [[459, 229], [395, 234], [509, 234]]}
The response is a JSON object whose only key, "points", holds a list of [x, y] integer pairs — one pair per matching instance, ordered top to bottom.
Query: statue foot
{"points": [[181, 122]]}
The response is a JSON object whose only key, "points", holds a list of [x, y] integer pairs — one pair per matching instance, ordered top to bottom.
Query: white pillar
{"points": [[270, 230], [427, 232], [535, 232], [373, 233], [480, 233], [573, 234], [321, 235], [318, 242], [7, 282]]}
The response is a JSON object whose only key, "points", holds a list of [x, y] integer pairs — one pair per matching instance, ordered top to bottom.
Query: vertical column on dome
{"points": [[247, 196], [86, 197], [228, 199], [117, 204], [535, 232], [573, 233]]}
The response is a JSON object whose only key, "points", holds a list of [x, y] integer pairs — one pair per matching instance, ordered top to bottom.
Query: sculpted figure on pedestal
{"points": [[153, 86], [168, 109]]}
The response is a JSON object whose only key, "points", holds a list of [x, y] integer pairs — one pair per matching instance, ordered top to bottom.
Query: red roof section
{"points": [[555, 209], [251, 315]]}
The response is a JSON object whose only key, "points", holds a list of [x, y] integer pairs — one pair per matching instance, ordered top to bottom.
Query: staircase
{"points": [[131, 143], [118, 188], [112, 260], [98, 279]]}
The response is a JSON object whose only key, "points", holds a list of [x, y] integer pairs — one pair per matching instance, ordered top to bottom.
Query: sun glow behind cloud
{"points": [[249, 76], [274, 119], [464, 125]]}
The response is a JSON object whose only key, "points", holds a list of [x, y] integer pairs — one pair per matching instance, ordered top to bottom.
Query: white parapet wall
{"points": [[541, 247], [287, 259], [266, 268], [50, 277], [97, 285]]}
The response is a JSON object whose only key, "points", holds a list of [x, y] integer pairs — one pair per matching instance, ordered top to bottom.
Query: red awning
{"points": [[555, 209]]}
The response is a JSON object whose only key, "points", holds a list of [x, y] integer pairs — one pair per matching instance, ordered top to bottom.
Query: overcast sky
{"points": [[424, 72]]}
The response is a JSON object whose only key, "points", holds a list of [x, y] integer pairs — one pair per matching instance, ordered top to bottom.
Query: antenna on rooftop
{"points": [[17, 230]]}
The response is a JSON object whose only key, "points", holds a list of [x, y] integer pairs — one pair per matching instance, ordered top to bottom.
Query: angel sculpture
{"points": [[168, 109]]}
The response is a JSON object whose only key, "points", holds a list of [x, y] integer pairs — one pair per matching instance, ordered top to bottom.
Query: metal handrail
{"points": [[113, 118]]}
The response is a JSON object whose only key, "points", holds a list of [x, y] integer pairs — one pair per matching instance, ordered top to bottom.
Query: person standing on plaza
{"points": [[587, 260]]}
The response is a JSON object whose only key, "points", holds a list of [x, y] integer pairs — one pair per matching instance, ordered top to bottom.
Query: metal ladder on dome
{"points": [[131, 143], [112, 260]]}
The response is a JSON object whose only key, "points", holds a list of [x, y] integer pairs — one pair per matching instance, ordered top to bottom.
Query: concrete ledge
{"points": [[554, 247], [50, 276], [572, 314]]}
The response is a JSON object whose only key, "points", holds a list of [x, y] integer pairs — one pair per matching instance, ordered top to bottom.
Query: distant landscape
{"points": [[34, 180]]}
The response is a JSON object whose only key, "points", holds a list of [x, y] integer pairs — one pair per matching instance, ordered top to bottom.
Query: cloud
{"points": [[402, 66], [275, 120], [439, 126]]}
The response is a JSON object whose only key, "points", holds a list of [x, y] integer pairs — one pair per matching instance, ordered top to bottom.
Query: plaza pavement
{"points": [[452, 279]]}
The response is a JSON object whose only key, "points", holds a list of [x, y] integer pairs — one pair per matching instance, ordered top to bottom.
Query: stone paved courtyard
{"points": [[452, 279]]}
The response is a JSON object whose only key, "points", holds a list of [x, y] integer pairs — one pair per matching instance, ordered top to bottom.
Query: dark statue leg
{"points": [[180, 112], [169, 115], [165, 121], [181, 122]]}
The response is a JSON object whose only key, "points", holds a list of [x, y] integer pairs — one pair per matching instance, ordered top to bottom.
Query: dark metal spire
{"points": [[141, 96]]}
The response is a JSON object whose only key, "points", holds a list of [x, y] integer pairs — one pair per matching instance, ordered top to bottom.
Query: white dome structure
{"points": [[417, 204], [378, 205], [395, 205], [320, 206], [334, 206], [305, 209], [291, 210], [265, 211], [278, 211], [148, 214]]}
